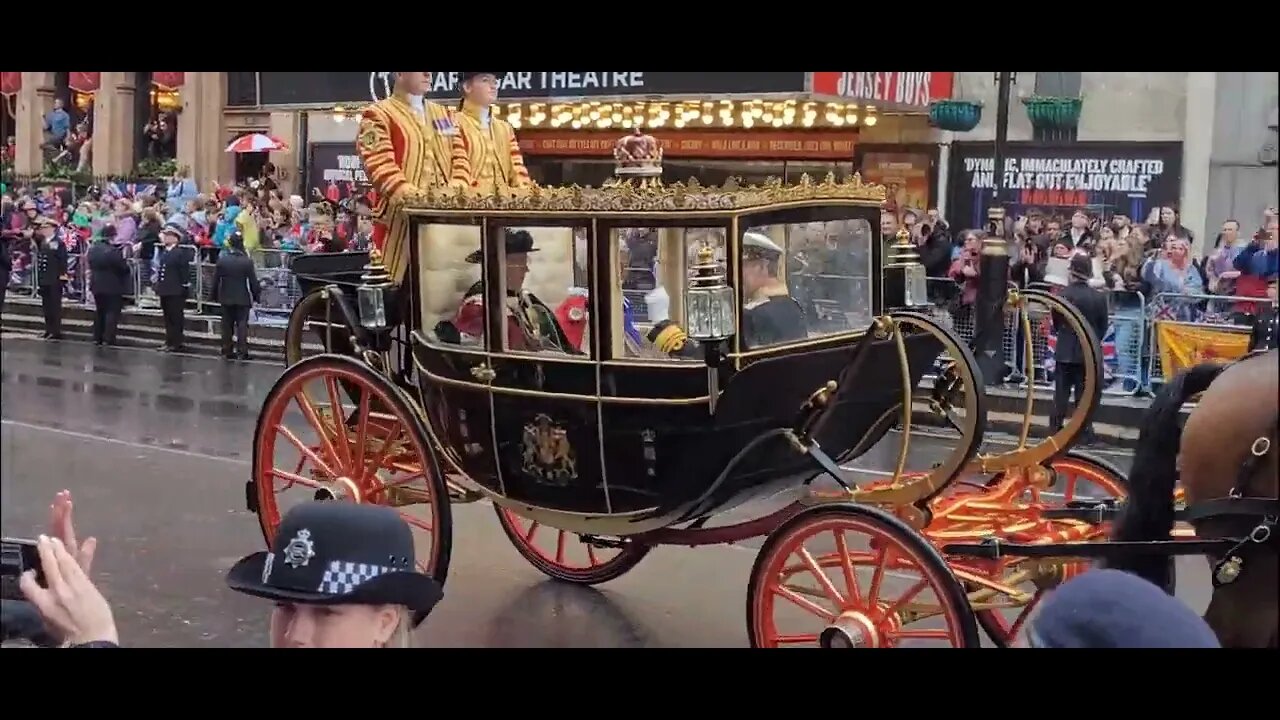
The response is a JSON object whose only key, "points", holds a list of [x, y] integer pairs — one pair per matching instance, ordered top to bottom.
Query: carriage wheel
{"points": [[308, 321], [377, 452], [1070, 471], [565, 556], [873, 582]]}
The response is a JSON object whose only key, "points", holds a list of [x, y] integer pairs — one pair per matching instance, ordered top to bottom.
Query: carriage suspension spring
{"points": [[604, 543]]}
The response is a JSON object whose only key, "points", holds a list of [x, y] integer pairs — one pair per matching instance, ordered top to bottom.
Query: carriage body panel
{"points": [[601, 434]]}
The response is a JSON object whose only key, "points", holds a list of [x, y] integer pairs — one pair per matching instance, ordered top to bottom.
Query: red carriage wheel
{"points": [[341, 431], [1070, 471], [565, 556], [872, 582]]}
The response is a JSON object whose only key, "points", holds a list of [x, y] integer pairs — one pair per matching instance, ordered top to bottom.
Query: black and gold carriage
{"points": [[520, 363]]}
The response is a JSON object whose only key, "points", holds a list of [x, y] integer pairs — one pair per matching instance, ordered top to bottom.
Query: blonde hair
{"points": [[402, 636]]}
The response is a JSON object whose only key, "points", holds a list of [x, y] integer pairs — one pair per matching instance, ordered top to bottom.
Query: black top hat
{"points": [[468, 75], [518, 242], [1081, 267], [336, 553]]}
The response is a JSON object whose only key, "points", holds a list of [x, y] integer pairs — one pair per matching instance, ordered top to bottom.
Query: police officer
{"points": [[51, 271], [173, 277], [108, 280], [236, 288], [1266, 327]]}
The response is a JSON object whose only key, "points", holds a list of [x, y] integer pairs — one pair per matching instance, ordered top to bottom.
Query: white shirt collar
{"points": [[417, 102]]}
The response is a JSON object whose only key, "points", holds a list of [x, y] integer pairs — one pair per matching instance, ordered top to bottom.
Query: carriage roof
{"points": [[630, 199]]}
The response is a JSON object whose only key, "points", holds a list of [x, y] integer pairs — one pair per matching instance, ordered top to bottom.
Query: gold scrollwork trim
{"points": [[679, 197], [576, 397], [1027, 456]]}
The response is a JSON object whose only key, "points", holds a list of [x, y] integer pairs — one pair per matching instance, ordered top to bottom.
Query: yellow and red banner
{"points": [[1183, 345]]}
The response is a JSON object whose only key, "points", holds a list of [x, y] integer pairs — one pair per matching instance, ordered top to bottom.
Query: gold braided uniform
{"points": [[403, 153], [485, 159]]}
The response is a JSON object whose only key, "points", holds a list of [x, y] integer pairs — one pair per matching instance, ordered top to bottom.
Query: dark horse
{"points": [[1225, 458]]}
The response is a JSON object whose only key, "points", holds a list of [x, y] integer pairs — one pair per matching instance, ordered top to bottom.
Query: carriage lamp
{"points": [[902, 255], [375, 284], [709, 300]]}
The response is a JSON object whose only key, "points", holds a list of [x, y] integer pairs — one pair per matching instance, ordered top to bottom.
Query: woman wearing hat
{"points": [[485, 152], [109, 282], [341, 575]]}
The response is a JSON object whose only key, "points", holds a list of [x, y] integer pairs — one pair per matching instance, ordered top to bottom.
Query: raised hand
{"points": [[61, 527], [72, 608]]}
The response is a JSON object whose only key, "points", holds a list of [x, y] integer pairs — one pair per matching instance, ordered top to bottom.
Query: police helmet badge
{"points": [[300, 550], [266, 567]]}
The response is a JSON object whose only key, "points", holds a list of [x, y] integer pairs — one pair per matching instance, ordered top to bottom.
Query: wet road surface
{"points": [[155, 451]]}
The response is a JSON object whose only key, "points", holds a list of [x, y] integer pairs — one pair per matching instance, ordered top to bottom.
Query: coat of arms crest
{"points": [[547, 454]]}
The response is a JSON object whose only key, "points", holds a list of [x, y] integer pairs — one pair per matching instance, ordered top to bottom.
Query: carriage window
{"points": [[652, 268], [449, 272], [805, 281], [546, 287]]}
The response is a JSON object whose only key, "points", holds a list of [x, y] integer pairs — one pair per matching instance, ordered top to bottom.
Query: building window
{"points": [[1056, 84], [242, 89]]}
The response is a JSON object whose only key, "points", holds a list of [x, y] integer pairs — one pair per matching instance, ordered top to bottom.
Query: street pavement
{"points": [[155, 451]]}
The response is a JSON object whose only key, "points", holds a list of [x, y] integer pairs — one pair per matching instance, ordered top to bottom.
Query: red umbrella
{"points": [[257, 142]]}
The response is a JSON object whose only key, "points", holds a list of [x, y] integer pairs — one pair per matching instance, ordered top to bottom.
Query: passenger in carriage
{"points": [[572, 314], [770, 316], [531, 324]]}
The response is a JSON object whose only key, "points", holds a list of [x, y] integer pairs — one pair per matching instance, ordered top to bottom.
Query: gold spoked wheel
{"points": [[852, 576]]}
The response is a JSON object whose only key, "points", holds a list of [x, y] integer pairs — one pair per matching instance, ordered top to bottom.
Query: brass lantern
{"points": [[375, 285], [710, 305]]}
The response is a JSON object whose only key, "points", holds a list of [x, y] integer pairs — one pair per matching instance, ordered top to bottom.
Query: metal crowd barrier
{"points": [[1217, 312], [1124, 343], [1131, 355]]}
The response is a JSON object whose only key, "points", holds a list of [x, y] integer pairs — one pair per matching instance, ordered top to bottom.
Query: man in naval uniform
{"points": [[405, 143], [485, 153], [51, 274], [770, 316]]}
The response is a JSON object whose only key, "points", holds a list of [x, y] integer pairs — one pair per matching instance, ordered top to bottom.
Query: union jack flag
{"points": [[131, 190], [1110, 358]]}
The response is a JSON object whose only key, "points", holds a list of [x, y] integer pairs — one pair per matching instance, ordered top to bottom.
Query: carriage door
{"points": [[450, 352], [546, 411]]}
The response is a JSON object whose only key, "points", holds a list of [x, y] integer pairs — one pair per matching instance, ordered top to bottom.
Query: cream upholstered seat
{"points": [[445, 275]]}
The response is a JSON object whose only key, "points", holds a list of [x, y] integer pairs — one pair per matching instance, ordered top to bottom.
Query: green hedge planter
{"points": [[1054, 113], [955, 115]]}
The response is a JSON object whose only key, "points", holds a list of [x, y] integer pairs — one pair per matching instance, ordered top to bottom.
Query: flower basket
{"points": [[1053, 113], [955, 115], [156, 168]]}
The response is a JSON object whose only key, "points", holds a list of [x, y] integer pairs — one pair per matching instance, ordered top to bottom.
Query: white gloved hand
{"points": [[659, 304]]}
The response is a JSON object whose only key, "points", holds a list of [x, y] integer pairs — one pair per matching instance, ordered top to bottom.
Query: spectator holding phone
{"points": [[1257, 263], [1220, 266], [1172, 272], [72, 609]]}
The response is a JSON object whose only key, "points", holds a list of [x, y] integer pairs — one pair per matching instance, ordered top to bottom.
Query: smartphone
{"points": [[16, 557]]}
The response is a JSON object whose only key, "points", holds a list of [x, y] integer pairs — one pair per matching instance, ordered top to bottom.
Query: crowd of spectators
{"points": [[137, 215], [1148, 268]]}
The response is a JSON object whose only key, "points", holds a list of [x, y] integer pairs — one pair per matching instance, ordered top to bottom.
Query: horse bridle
{"points": [[1241, 503]]}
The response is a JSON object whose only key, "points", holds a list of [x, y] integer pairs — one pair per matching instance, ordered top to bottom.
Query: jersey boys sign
{"points": [[337, 88], [886, 90]]}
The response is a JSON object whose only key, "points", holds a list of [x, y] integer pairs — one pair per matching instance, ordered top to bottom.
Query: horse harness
{"points": [[1241, 503]]}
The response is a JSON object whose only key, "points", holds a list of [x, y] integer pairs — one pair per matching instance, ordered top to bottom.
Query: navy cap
{"points": [[1115, 609]]}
